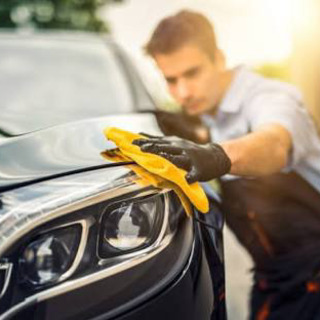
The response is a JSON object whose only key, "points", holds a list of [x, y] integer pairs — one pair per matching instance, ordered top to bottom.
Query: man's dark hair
{"points": [[184, 27]]}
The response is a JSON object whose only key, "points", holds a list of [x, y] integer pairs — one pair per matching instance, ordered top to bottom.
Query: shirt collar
{"points": [[235, 94]]}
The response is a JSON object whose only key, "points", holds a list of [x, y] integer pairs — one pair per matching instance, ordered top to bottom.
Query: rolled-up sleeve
{"points": [[283, 107]]}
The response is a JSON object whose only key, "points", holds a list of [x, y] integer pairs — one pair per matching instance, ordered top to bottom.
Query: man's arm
{"points": [[265, 151]]}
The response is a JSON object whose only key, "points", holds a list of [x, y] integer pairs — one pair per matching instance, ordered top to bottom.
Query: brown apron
{"points": [[277, 219]]}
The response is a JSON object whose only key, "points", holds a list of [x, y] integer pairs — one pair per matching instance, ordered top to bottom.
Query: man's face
{"points": [[194, 80]]}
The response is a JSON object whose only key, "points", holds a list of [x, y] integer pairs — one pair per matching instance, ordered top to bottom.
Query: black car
{"points": [[56, 77], [80, 238]]}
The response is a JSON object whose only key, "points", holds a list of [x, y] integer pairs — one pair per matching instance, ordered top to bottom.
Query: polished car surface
{"points": [[49, 78], [61, 238], [86, 238]]}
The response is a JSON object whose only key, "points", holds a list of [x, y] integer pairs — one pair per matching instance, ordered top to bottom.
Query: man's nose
{"points": [[182, 90]]}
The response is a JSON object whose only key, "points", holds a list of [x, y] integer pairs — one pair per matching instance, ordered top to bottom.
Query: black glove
{"points": [[182, 125], [203, 162]]}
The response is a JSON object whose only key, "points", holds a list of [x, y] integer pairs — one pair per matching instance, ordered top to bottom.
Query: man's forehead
{"points": [[178, 62]]}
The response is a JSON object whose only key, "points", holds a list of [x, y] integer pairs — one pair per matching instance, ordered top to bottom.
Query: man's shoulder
{"points": [[261, 85], [250, 88]]}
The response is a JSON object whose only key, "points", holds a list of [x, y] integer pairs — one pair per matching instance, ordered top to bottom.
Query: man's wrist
{"points": [[221, 157]]}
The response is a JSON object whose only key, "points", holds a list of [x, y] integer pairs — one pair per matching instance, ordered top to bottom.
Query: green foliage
{"points": [[53, 14], [279, 70]]}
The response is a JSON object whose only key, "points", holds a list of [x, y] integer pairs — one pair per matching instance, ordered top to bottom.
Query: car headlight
{"points": [[128, 226], [58, 234], [48, 258]]}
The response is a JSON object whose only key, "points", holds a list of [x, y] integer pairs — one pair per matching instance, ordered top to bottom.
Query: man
{"points": [[265, 149]]}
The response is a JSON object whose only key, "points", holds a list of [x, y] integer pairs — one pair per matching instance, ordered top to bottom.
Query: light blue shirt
{"points": [[252, 101]]}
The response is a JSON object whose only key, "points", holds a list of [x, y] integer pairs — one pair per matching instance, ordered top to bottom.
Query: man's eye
{"points": [[192, 73], [171, 80]]}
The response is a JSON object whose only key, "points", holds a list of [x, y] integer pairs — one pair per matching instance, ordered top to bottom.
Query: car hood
{"points": [[65, 148]]}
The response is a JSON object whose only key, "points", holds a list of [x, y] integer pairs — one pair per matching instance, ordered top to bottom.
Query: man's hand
{"points": [[182, 125], [202, 162]]}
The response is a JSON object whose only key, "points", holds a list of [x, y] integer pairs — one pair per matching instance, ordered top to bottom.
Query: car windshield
{"points": [[46, 82]]}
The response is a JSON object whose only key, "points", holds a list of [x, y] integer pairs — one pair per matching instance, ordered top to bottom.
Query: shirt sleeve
{"points": [[284, 108]]}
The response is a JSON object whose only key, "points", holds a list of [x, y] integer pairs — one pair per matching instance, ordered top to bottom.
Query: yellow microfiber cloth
{"points": [[158, 166], [147, 178]]}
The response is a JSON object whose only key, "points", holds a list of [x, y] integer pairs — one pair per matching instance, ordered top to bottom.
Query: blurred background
{"points": [[278, 38]]}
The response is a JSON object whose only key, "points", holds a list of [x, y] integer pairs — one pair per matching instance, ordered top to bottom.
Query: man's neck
{"points": [[225, 85]]}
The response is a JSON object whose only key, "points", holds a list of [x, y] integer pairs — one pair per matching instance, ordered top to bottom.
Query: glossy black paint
{"points": [[65, 76], [63, 148], [185, 281], [178, 282], [179, 286], [194, 288], [114, 294]]}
